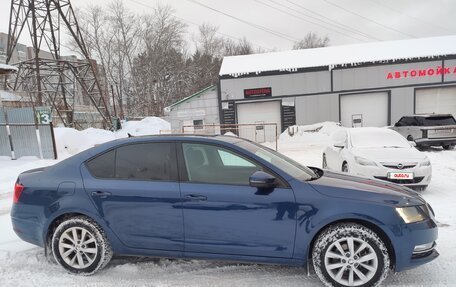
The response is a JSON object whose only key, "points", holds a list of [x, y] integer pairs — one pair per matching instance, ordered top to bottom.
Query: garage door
{"points": [[438, 100], [364, 110], [257, 114]]}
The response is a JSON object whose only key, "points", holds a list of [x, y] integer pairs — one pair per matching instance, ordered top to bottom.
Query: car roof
{"points": [[430, 115], [369, 129], [181, 137], [91, 152]]}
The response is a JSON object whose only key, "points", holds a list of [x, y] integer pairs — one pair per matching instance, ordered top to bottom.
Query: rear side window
{"points": [[406, 121], [437, 121], [145, 161], [148, 161], [103, 165]]}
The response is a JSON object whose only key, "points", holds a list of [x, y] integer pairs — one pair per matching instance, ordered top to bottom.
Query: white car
{"points": [[378, 153]]}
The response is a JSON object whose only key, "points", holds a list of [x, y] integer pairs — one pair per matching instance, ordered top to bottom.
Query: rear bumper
{"points": [[435, 142], [28, 231]]}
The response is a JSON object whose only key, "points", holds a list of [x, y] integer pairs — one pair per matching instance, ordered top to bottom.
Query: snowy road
{"points": [[22, 264]]}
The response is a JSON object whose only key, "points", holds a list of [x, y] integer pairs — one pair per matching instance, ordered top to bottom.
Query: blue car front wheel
{"points": [[349, 254]]}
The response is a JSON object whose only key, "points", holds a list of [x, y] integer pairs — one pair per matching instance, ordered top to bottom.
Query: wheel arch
{"points": [[64, 215], [383, 236]]}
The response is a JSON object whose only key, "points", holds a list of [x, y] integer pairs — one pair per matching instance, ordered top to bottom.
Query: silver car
{"points": [[428, 130]]}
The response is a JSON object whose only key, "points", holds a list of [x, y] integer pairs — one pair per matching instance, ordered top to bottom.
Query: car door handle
{"points": [[101, 194], [196, 197]]}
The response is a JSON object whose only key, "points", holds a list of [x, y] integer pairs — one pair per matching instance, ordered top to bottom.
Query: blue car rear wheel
{"points": [[80, 246]]}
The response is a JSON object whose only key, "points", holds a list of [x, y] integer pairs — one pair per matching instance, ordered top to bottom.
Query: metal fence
{"points": [[26, 132], [259, 132]]}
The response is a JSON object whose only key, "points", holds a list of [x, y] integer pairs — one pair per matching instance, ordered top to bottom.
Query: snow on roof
{"points": [[339, 55], [8, 68], [199, 93], [6, 96]]}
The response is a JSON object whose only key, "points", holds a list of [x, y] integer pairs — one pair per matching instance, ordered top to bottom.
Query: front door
{"points": [[136, 191], [224, 215]]}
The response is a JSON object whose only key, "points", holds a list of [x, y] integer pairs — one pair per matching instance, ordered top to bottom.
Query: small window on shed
{"points": [[198, 124], [103, 165]]}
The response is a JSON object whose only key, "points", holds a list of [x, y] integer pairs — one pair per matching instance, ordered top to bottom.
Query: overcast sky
{"points": [[343, 21]]}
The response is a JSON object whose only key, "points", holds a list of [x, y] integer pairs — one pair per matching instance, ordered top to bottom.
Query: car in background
{"points": [[428, 130], [378, 153], [223, 198]]}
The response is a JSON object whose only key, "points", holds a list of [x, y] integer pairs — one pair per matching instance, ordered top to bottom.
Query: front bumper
{"points": [[422, 175], [411, 236]]}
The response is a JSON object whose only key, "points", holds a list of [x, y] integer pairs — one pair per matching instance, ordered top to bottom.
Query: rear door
{"points": [[136, 190], [224, 215]]}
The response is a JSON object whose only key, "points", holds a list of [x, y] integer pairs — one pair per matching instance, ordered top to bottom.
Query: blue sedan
{"points": [[219, 197]]}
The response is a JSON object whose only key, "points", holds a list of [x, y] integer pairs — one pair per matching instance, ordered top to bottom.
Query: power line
{"points": [[410, 16], [305, 20], [370, 20], [198, 25], [341, 25], [259, 27]]}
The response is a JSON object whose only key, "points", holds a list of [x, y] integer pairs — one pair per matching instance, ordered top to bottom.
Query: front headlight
{"points": [[364, 161], [425, 162], [411, 214]]}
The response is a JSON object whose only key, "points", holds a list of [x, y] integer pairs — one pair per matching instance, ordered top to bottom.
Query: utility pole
{"points": [[48, 79]]}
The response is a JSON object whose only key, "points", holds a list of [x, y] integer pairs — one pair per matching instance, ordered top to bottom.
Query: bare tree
{"points": [[112, 37], [311, 40], [160, 68]]}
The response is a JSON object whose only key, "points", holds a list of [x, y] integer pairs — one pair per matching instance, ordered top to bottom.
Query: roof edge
{"points": [[191, 96]]}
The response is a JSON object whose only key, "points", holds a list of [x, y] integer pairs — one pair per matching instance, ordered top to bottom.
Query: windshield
{"points": [[436, 121], [377, 138], [282, 162]]}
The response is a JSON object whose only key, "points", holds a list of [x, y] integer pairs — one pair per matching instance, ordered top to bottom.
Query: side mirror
{"points": [[412, 143], [339, 145], [263, 180]]}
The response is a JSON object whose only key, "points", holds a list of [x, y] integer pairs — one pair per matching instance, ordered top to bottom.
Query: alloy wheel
{"points": [[78, 247], [351, 261]]}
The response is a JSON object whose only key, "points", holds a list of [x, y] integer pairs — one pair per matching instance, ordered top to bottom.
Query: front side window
{"points": [[279, 160], [213, 164]]}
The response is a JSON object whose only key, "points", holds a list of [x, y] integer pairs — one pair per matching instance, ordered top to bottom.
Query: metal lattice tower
{"points": [[53, 80]]}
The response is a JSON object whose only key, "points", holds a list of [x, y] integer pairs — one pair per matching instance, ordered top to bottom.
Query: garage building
{"points": [[372, 84]]}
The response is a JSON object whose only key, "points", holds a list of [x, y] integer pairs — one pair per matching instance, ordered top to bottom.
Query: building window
{"points": [[198, 124]]}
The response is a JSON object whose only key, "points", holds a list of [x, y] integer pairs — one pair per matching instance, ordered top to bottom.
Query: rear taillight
{"points": [[18, 188]]}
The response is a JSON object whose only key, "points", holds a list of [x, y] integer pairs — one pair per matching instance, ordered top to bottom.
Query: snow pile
{"points": [[147, 126], [316, 134], [70, 141]]}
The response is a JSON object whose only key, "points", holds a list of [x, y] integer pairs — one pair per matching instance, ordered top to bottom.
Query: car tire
{"points": [[448, 147], [324, 164], [345, 167], [80, 246], [350, 254]]}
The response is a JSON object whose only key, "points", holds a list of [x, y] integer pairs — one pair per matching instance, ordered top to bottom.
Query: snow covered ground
{"points": [[22, 264]]}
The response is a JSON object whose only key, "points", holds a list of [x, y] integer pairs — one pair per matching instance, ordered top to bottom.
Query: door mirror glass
{"points": [[263, 180]]}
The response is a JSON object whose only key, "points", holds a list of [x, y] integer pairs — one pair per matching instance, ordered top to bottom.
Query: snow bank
{"points": [[147, 126], [315, 134], [70, 141]]}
